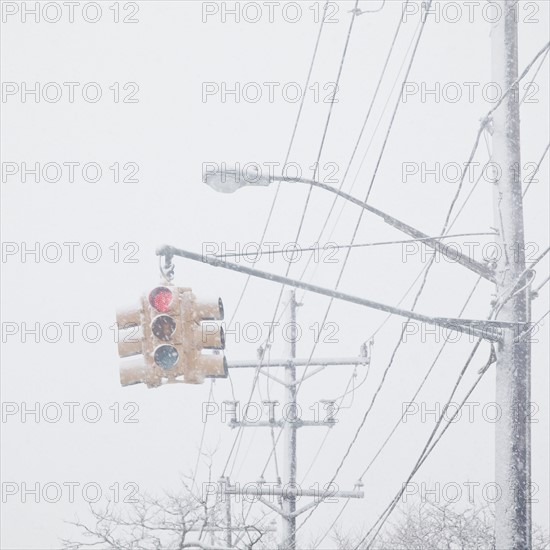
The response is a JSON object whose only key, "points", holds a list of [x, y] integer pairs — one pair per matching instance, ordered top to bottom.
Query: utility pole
{"points": [[290, 433], [512, 466], [286, 491], [228, 524]]}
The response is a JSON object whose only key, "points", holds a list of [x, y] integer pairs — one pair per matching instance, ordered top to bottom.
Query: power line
{"points": [[310, 70], [535, 76], [380, 118], [365, 121], [327, 122], [294, 130], [476, 144], [475, 147], [353, 155], [316, 166], [535, 171], [306, 204], [361, 213], [360, 218], [445, 227], [334, 246], [347, 256], [539, 258], [541, 285], [389, 316], [400, 340], [436, 358], [341, 399], [411, 400], [202, 437], [427, 448]]}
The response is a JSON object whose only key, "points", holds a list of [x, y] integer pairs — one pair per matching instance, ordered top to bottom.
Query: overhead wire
{"points": [[534, 76], [308, 77], [367, 118], [328, 119], [392, 120], [484, 123], [325, 131], [374, 132], [357, 143], [289, 149], [320, 150], [319, 154], [536, 170], [372, 181], [455, 196], [468, 197], [361, 213], [334, 246], [424, 269], [536, 291], [411, 400], [429, 448], [199, 453]]}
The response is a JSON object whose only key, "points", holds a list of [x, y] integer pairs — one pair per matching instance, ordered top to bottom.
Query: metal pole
{"points": [[232, 179], [448, 251], [483, 329], [513, 357], [288, 541]]}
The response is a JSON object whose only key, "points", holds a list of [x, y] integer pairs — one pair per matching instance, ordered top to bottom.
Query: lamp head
{"points": [[229, 180]]}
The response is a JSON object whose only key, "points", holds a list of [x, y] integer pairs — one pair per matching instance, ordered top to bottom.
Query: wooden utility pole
{"points": [[290, 432], [287, 491], [512, 527]]}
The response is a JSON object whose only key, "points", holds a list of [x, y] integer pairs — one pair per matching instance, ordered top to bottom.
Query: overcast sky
{"points": [[162, 71]]}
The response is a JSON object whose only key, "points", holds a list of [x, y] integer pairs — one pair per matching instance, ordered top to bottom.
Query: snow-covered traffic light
{"points": [[166, 328], [206, 337], [162, 340], [135, 364]]}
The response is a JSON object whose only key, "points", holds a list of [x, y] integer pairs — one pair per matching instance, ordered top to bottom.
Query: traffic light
{"points": [[166, 330], [203, 335], [169, 339], [135, 367]]}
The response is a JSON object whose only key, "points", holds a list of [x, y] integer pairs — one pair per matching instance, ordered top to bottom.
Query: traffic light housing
{"points": [[203, 335], [165, 338], [170, 338], [134, 346]]}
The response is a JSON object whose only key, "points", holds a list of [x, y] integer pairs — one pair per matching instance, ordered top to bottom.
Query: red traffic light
{"points": [[161, 298]]}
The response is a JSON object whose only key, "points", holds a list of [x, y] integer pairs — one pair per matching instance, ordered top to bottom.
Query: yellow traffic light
{"points": [[165, 330], [204, 335], [133, 349]]}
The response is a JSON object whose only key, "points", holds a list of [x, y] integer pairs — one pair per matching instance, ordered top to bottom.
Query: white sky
{"points": [[169, 133]]}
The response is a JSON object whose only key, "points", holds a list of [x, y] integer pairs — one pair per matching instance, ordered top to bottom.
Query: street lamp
{"points": [[229, 180]]}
